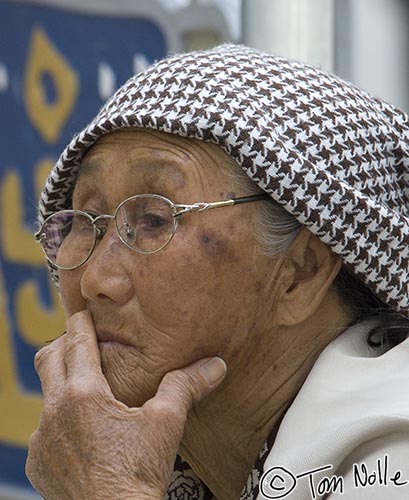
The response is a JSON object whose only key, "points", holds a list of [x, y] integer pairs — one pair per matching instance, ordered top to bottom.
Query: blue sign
{"points": [[56, 69]]}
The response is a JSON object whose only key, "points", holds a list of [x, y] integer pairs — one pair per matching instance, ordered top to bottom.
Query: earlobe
{"points": [[313, 267]]}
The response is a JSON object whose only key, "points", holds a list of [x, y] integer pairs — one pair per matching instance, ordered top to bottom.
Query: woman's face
{"points": [[202, 295]]}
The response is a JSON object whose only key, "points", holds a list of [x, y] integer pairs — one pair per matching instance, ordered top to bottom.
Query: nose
{"points": [[105, 275]]}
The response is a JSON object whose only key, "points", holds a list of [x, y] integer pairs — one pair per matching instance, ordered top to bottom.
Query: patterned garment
{"points": [[332, 155], [186, 485]]}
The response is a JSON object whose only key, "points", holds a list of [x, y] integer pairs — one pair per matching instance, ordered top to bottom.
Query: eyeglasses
{"points": [[145, 223]]}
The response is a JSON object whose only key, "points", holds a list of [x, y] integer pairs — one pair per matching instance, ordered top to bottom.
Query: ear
{"points": [[311, 267]]}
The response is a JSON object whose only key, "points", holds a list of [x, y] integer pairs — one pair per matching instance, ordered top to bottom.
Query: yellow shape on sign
{"points": [[45, 60], [18, 242], [35, 324], [19, 412]]}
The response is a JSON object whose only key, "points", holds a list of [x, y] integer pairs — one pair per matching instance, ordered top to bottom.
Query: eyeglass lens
{"points": [[144, 223], [69, 238]]}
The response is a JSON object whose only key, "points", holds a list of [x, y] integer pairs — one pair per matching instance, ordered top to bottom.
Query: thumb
{"points": [[181, 389]]}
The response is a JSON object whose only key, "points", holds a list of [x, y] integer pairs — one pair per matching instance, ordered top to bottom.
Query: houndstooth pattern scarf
{"points": [[332, 155]]}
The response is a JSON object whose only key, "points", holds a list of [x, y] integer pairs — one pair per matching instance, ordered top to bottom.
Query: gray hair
{"points": [[275, 228]]}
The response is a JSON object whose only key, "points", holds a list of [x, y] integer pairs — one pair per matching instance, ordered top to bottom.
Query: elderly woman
{"points": [[174, 263]]}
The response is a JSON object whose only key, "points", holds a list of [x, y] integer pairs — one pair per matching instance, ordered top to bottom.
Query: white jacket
{"points": [[352, 414]]}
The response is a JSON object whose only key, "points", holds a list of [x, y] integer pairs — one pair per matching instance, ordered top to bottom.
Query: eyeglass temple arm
{"points": [[254, 197], [201, 206]]}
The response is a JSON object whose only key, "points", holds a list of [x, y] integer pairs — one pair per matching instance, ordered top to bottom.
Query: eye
{"points": [[152, 221], [145, 222]]}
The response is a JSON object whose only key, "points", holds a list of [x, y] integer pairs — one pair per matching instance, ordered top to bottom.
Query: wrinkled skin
{"points": [[197, 297], [152, 314], [142, 322], [91, 446]]}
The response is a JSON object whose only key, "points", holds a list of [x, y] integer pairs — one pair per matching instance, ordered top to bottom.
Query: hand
{"points": [[89, 445]]}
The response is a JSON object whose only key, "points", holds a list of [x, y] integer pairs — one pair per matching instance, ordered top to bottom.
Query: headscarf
{"points": [[332, 155]]}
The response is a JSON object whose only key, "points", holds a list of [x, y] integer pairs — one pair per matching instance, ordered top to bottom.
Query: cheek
{"points": [[212, 246], [70, 290], [194, 291]]}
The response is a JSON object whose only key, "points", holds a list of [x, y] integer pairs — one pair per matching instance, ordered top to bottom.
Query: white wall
{"points": [[297, 29], [364, 41], [379, 59]]}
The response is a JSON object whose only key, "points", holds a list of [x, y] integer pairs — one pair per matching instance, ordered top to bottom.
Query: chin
{"points": [[127, 383]]}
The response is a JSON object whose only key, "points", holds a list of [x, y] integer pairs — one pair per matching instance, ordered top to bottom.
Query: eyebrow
{"points": [[87, 167], [149, 169]]}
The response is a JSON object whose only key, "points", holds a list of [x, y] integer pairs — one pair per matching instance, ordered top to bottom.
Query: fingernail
{"points": [[213, 370]]}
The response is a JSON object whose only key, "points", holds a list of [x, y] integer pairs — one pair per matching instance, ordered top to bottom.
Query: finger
{"points": [[49, 341], [82, 357], [50, 366], [183, 388]]}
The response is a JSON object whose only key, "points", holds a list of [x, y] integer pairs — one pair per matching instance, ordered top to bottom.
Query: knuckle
{"points": [[44, 354], [40, 357], [186, 386], [77, 393], [82, 395], [162, 410], [166, 416], [32, 442]]}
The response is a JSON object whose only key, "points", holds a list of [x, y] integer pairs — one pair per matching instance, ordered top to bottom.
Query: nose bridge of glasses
{"points": [[101, 224]]}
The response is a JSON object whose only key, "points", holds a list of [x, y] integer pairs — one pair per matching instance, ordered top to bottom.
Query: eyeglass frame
{"points": [[178, 209]]}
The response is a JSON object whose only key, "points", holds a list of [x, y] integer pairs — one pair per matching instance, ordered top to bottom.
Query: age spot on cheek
{"points": [[212, 245]]}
